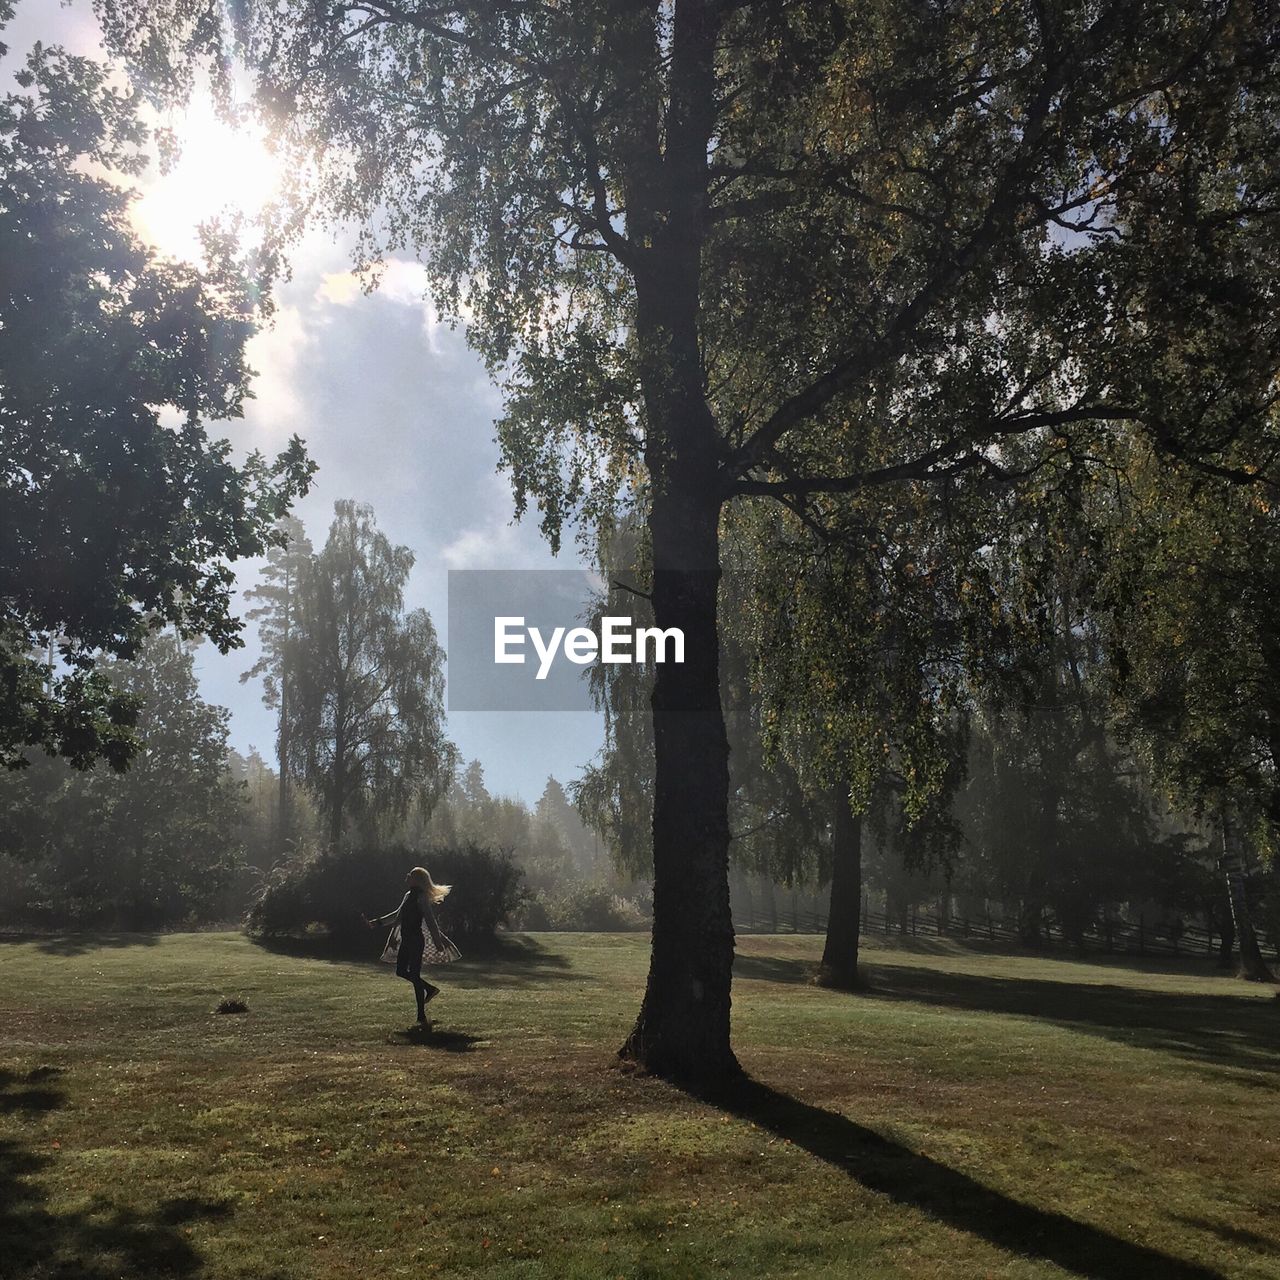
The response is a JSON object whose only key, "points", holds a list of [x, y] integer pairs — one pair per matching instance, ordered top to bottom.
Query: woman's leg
{"points": [[409, 967]]}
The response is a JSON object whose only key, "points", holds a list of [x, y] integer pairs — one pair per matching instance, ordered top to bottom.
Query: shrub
{"points": [[328, 891], [582, 909], [535, 915]]}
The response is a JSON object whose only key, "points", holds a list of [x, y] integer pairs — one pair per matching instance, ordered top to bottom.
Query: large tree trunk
{"points": [[840, 955], [1252, 965], [683, 1027]]}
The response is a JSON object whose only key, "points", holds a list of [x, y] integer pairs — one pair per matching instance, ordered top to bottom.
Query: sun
{"points": [[222, 168]]}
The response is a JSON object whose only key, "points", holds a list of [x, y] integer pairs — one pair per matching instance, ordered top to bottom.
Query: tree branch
{"points": [[944, 460]]}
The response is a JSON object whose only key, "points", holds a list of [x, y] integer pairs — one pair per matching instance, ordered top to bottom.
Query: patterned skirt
{"points": [[431, 954]]}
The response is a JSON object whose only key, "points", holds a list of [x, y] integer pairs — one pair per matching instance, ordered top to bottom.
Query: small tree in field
{"points": [[275, 611], [366, 711]]}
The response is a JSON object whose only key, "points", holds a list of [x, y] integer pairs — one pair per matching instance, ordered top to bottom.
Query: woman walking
{"points": [[417, 937]]}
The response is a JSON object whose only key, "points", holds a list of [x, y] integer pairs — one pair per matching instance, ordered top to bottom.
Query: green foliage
{"points": [[836, 245], [119, 514], [1189, 598], [276, 602], [858, 631], [364, 721], [614, 793], [556, 819], [777, 828], [550, 844], [157, 845], [330, 890], [583, 908]]}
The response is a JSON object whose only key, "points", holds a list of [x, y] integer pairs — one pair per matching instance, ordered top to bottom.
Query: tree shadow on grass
{"points": [[77, 944], [501, 962], [513, 962], [774, 968], [799, 969], [1221, 1032], [1240, 1033], [30, 1094], [910, 1178], [1238, 1236], [104, 1241]]}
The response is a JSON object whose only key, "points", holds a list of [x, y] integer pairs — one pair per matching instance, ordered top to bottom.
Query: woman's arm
{"points": [[375, 921]]}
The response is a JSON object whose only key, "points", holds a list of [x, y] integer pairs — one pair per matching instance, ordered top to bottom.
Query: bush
{"points": [[327, 892], [582, 909]]}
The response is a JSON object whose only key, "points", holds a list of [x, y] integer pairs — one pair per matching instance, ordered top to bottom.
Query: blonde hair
{"points": [[420, 877]]}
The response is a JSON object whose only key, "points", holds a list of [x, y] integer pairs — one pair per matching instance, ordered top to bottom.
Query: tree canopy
{"points": [[118, 513]]}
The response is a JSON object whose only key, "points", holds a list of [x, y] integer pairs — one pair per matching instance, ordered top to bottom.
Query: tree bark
{"points": [[335, 824], [840, 954], [1252, 965], [683, 1027]]}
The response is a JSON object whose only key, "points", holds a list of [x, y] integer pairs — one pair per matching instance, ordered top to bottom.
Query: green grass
{"points": [[973, 1114]]}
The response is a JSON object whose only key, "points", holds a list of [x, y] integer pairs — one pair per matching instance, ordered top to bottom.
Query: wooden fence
{"points": [[801, 913]]}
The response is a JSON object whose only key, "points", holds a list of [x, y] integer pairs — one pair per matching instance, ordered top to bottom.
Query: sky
{"points": [[394, 408]]}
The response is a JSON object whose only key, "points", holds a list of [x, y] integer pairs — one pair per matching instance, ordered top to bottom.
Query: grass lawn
{"points": [[973, 1114]]}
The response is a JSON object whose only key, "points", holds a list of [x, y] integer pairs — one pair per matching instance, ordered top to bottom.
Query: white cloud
{"points": [[401, 281], [339, 288], [277, 353], [496, 544]]}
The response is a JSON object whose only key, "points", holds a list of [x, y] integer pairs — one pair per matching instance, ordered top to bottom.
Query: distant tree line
{"points": [[192, 831], [159, 844]]}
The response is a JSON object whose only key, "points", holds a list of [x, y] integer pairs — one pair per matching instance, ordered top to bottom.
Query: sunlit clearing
{"points": [[222, 168]]}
